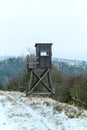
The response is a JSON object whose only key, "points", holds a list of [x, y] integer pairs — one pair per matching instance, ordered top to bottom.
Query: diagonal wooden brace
{"points": [[39, 79]]}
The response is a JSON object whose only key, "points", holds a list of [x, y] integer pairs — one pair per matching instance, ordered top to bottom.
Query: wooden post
{"points": [[40, 79]]}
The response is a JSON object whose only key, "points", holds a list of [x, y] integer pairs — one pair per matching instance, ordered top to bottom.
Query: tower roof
{"points": [[43, 44]]}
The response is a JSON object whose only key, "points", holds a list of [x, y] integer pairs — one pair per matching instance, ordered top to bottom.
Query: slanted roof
{"points": [[43, 44]]}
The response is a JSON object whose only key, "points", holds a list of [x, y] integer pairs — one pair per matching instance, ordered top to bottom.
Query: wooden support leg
{"points": [[40, 79]]}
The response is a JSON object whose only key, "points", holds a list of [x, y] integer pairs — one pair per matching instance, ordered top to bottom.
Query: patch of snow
{"points": [[38, 113]]}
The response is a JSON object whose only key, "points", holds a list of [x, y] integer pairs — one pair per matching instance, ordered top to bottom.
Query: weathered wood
{"points": [[44, 54], [42, 61], [38, 78], [33, 85], [41, 93]]}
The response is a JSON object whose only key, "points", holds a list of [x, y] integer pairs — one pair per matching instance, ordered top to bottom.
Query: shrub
{"points": [[78, 90]]}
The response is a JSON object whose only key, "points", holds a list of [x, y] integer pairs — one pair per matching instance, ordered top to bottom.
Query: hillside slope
{"points": [[38, 113]]}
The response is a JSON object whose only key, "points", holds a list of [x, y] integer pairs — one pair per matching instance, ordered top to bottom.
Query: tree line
{"points": [[68, 88]]}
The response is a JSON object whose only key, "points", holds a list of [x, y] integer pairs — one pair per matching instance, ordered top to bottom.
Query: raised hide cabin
{"points": [[40, 68]]}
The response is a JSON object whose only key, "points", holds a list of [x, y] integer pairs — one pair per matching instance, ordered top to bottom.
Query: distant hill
{"points": [[4, 58], [11, 67], [71, 67]]}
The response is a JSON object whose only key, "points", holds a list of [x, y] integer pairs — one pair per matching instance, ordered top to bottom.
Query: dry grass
{"points": [[1, 93], [11, 100], [70, 111]]}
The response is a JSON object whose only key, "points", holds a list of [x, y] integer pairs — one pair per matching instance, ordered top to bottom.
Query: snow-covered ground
{"points": [[18, 112]]}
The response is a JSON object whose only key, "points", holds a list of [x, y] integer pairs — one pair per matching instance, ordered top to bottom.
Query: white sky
{"points": [[61, 22]]}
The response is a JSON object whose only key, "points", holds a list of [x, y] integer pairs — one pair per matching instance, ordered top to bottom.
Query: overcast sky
{"points": [[61, 22]]}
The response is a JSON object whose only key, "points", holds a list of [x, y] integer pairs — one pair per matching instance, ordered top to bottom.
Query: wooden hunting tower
{"points": [[43, 55], [40, 67]]}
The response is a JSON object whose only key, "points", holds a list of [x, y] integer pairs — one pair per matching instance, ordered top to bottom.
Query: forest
{"points": [[70, 82]]}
